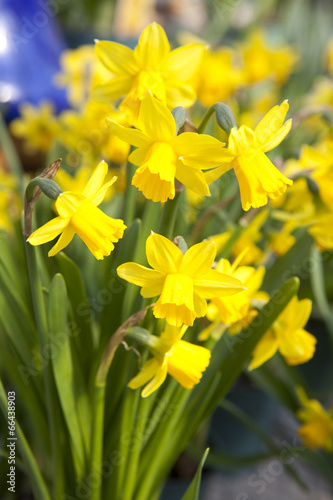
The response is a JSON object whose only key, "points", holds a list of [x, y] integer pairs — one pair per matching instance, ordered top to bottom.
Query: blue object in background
{"points": [[30, 47]]}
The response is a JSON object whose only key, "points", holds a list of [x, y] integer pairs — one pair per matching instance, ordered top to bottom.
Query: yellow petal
{"points": [[153, 47], [116, 58], [184, 62], [114, 89], [155, 120], [270, 123], [134, 137], [277, 138], [190, 143], [138, 156], [216, 173], [192, 178], [258, 179], [96, 180], [152, 186], [99, 196], [68, 203], [49, 231], [62, 242], [162, 254], [198, 259], [150, 280], [215, 284], [178, 290], [296, 314], [176, 315], [297, 346], [265, 349], [187, 363], [147, 371], [156, 382]]}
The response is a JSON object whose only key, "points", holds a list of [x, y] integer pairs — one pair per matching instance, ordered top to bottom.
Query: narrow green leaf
{"points": [[80, 307], [63, 368], [36, 480], [193, 490]]}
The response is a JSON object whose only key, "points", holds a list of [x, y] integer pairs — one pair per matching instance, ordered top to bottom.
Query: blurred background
{"points": [[286, 49]]}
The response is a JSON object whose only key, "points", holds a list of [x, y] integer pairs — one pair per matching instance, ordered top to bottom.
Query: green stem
{"points": [[206, 119], [129, 196], [169, 214], [319, 292], [42, 331], [97, 439], [37, 482]]}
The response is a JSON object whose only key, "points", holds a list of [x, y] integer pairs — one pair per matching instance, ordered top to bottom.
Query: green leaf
{"points": [[80, 307], [63, 368], [193, 490]]}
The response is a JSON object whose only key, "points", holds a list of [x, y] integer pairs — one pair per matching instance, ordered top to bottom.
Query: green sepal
{"points": [[179, 115], [224, 117], [50, 188]]}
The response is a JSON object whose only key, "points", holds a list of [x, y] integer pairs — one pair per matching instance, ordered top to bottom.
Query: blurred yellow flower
{"points": [[262, 60], [80, 67], [153, 67], [218, 76], [38, 126], [86, 133], [163, 157], [320, 159], [258, 178], [78, 213], [322, 231], [283, 240], [184, 282], [234, 308], [287, 336], [182, 360], [317, 430]]}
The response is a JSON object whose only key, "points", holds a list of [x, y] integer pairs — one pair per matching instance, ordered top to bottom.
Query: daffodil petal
{"points": [[153, 47], [116, 57], [184, 61], [114, 89], [180, 94], [155, 120], [270, 123], [132, 136], [277, 138], [191, 143], [138, 156], [216, 173], [192, 178], [96, 180], [99, 196], [49, 231], [62, 242], [162, 254], [198, 259], [150, 280], [215, 284], [297, 313], [297, 346], [265, 349], [187, 363], [147, 371], [156, 381]]}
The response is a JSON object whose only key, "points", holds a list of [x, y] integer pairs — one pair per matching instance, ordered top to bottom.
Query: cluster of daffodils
{"points": [[150, 81], [238, 204]]}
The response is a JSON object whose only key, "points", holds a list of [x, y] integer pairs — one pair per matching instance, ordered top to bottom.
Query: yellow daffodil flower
{"points": [[262, 61], [150, 67], [80, 68], [218, 76], [37, 125], [85, 133], [163, 157], [321, 161], [258, 178], [78, 213], [322, 231], [283, 240], [184, 282], [234, 308], [287, 336], [182, 360], [317, 430]]}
